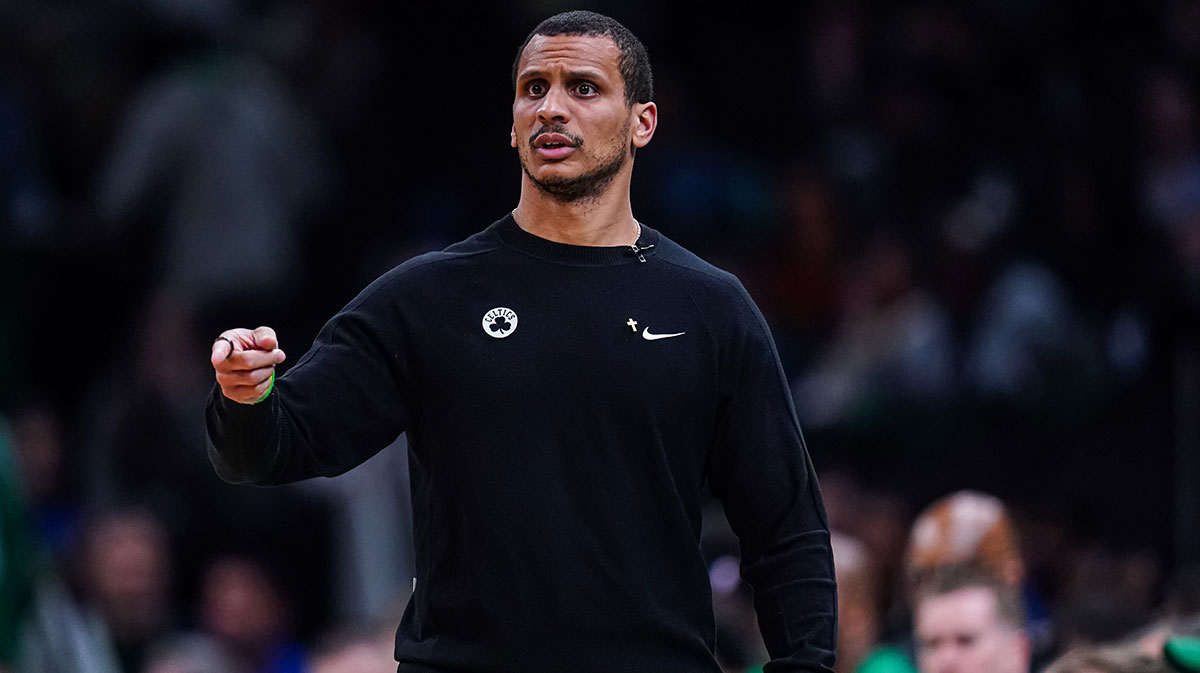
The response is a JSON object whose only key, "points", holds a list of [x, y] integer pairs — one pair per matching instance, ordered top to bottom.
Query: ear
{"points": [[645, 120], [512, 137], [1012, 571], [1024, 650]]}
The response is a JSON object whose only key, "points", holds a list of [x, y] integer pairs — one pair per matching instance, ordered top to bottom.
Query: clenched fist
{"points": [[245, 363]]}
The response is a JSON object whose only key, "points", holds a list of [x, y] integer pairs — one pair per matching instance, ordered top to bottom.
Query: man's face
{"points": [[573, 131], [961, 632]]}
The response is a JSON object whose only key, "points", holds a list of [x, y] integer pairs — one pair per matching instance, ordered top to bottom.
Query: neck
{"points": [[604, 221]]}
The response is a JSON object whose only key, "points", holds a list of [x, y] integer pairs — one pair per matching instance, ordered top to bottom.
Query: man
{"points": [[570, 381], [964, 532], [968, 622]]}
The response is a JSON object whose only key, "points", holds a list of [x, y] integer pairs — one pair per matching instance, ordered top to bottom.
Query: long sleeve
{"points": [[338, 406], [559, 464], [761, 471]]}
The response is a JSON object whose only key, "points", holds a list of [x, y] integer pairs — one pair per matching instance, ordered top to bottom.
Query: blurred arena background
{"points": [[973, 226]]}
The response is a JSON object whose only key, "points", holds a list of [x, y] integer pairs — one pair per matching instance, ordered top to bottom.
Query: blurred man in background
{"points": [[965, 531], [967, 622]]}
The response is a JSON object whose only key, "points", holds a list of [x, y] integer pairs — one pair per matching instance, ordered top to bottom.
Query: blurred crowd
{"points": [[974, 228]]}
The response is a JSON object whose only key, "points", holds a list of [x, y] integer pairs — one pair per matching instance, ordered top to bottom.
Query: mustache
{"points": [[576, 140]]}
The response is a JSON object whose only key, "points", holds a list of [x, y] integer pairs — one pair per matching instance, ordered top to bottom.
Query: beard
{"points": [[588, 186]]}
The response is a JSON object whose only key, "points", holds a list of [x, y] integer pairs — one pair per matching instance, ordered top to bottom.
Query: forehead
{"points": [[546, 53], [968, 609]]}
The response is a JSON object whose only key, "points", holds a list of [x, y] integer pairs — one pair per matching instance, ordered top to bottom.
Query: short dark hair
{"points": [[634, 64]]}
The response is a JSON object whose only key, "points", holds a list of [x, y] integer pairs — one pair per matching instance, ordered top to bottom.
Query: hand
{"points": [[245, 363]]}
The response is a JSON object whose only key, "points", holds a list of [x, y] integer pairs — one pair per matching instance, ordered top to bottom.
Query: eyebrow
{"points": [[572, 75]]}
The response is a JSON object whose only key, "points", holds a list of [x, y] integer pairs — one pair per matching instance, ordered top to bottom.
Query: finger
{"points": [[242, 338], [264, 339], [221, 349], [247, 360], [252, 377], [264, 387], [248, 394]]}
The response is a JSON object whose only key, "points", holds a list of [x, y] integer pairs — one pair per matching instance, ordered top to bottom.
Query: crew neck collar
{"points": [[514, 236]]}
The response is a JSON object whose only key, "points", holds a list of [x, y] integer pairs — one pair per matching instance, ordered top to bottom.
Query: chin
{"points": [[559, 172], [556, 173]]}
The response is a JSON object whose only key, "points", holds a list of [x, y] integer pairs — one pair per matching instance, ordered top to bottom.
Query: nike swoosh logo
{"points": [[648, 336]]}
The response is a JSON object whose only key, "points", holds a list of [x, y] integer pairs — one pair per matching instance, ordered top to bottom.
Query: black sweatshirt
{"points": [[565, 407]]}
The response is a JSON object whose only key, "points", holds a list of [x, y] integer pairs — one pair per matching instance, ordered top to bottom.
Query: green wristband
{"points": [[269, 389]]}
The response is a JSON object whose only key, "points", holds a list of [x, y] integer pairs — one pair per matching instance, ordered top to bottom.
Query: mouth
{"points": [[554, 145]]}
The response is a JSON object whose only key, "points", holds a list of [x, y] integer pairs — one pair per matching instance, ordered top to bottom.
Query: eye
{"points": [[535, 89], [585, 89]]}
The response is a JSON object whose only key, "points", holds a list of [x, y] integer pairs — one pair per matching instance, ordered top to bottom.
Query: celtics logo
{"points": [[499, 322]]}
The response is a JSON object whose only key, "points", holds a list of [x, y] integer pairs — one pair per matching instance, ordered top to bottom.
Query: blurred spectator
{"points": [[218, 153], [1171, 173], [25, 206], [25, 215], [799, 280], [1030, 349], [893, 350], [146, 444], [41, 458], [880, 521], [975, 530], [964, 533], [17, 554], [372, 571], [126, 578], [1110, 594], [1182, 594], [858, 601], [119, 606], [243, 608], [1094, 617], [969, 622], [1171, 635], [355, 651], [190, 654], [1106, 659]]}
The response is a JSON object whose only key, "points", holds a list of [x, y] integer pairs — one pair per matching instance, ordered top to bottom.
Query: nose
{"points": [[554, 107]]}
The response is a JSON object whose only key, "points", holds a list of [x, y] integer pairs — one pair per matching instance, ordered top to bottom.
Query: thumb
{"points": [[265, 339]]}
